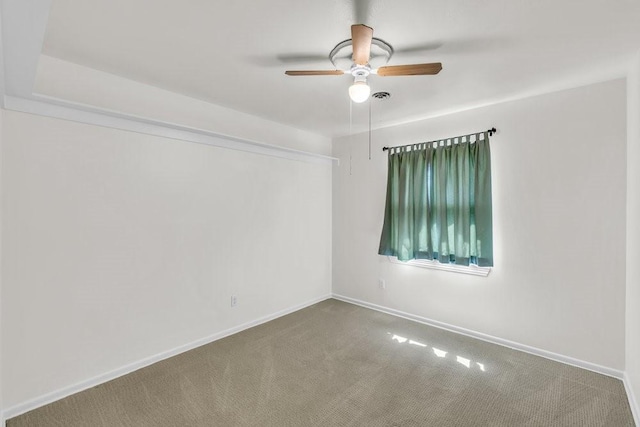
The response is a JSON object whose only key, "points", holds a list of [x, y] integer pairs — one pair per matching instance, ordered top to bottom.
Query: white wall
{"points": [[61, 79], [2, 92], [559, 191], [1, 226], [633, 235], [118, 246]]}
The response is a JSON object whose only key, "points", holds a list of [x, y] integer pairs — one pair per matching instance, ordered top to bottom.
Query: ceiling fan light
{"points": [[359, 91]]}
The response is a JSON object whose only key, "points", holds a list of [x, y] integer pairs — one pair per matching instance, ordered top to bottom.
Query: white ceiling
{"points": [[234, 53]]}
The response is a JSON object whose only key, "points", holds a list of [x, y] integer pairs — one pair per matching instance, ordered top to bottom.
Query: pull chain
{"points": [[369, 129], [350, 137]]}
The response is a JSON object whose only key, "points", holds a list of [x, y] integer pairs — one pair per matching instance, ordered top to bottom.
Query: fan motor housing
{"points": [[381, 53], [360, 71]]}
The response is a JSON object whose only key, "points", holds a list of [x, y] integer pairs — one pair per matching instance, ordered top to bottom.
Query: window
{"points": [[438, 204], [470, 269]]}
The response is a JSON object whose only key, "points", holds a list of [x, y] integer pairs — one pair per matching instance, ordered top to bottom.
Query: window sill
{"points": [[435, 265]]}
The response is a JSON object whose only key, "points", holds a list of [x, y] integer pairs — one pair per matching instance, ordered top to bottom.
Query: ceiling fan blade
{"points": [[361, 10], [361, 36], [418, 48], [298, 58], [410, 70], [315, 73]]}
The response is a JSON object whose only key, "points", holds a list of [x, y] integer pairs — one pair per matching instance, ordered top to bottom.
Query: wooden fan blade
{"points": [[361, 10], [361, 36], [299, 58], [410, 70], [315, 73]]}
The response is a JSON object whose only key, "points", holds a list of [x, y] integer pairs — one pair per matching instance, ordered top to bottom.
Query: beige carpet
{"points": [[336, 364]]}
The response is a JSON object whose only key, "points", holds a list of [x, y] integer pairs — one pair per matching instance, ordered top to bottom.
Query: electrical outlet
{"points": [[382, 284], [234, 300]]}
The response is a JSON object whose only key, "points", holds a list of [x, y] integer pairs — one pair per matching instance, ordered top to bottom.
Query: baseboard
{"points": [[489, 338], [108, 376], [633, 401]]}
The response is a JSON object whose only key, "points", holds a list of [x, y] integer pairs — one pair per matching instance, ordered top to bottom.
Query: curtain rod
{"points": [[490, 131]]}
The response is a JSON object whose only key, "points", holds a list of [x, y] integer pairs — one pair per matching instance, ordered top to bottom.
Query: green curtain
{"points": [[439, 202]]}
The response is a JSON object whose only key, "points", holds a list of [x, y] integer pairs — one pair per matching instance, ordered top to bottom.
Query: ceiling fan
{"points": [[362, 41]]}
